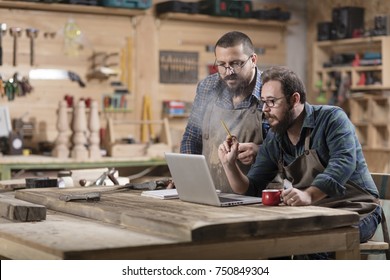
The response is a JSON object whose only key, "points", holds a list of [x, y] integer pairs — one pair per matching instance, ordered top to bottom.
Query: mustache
{"points": [[231, 77]]}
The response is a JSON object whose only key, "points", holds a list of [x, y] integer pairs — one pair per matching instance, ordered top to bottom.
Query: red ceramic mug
{"points": [[271, 197]]}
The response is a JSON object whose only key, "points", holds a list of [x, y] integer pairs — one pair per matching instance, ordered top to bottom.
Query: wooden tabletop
{"points": [[187, 221], [124, 224]]}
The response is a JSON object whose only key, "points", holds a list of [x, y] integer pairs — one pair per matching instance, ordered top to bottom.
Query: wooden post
{"points": [[94, 126], [61, 149], [79, 150]]}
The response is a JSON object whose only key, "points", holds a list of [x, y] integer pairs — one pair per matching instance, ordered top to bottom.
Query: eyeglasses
{"points": [[235, 66], [271, 102]]}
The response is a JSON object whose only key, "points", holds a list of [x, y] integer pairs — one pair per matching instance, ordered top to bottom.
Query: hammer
{"points": [[3, 30], [15, 32], [32, 33]]}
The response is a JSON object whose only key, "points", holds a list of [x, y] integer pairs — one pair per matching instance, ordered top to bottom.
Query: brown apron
{"points": [[244, 123], [302, 171]]}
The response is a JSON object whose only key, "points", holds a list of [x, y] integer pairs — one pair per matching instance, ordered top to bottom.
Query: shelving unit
{"points": [[219, 20], [325, 49], [369, 103]]}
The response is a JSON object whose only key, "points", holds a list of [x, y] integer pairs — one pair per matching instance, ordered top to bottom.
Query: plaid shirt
{"points": [[207, 90], [333, 137]]}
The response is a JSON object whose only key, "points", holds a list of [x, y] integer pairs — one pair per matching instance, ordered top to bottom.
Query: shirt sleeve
{"points": [[192, 138], [340, 139]]}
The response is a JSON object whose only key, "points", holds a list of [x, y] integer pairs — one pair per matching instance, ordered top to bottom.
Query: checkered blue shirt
{"points": [[206, 91]]}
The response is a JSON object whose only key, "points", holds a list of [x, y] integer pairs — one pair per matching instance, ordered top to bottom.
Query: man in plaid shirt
{"points": [[231, 96]]}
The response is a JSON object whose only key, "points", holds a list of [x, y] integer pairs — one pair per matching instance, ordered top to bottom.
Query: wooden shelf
{"points": [[83, 9], [222, 20], [353, 41], [351, 68], [369, 87], [117, 110], [183, 116], [375, 149]]}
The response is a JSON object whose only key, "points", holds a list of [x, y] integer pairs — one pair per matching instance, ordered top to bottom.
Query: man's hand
{"points": [[228, 150], [247, 153], [296, 197]]}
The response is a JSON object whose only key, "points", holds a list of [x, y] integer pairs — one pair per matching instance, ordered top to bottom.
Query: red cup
{"points": [[271, 197]]}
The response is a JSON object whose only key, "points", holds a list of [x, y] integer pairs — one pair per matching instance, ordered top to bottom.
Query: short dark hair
{"points": [[234, 38], [289, 80]]}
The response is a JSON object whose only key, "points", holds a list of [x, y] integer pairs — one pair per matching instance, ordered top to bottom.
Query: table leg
{"points": [[5, 172]]}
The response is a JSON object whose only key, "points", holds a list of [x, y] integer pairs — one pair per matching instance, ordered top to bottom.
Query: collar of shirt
{"points": [[257, 90], [226, 100]]}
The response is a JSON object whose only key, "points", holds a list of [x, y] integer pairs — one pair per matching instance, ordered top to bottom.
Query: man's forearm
{"points": [[238, 181], [315, 193]]}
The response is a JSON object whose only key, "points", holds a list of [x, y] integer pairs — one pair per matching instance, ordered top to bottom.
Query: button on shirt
{"points": [[333, 137]]}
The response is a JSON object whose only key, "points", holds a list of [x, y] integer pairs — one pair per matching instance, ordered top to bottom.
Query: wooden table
{"points": [[9, 163], [125, 225]]}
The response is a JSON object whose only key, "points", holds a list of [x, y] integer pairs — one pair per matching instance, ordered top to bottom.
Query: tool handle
{"points": [[1, 54], [76, 78]]}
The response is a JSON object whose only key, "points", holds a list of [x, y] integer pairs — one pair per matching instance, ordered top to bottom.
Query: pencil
{"points": [[227, 130]]}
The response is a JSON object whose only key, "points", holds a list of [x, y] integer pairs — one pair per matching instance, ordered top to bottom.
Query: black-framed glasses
{"points": [[235, 66], [271, 102]]}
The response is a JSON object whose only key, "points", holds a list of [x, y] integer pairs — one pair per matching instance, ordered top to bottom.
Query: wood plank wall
{"points": [[100, 33], [112, 33], [194, 37]]}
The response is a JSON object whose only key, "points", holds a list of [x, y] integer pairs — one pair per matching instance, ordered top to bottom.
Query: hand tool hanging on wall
{"points": [[3, 31], [15, 33], [32, 33], [100, 68], [55, 74], [2, 89], [147, 127]]}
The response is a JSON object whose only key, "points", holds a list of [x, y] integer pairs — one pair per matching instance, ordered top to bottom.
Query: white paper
{"points": [[161, 194]]}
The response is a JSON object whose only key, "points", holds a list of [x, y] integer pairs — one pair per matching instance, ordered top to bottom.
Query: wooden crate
{"points": [[361, 108], [380, 111], [363, 132], [380, 136]]}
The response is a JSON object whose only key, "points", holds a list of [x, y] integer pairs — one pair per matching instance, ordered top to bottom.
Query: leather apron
{"points": [[245, 124], [302, 171]]}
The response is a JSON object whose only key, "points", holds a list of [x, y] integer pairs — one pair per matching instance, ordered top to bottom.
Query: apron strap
{"points": [[307, 139]]}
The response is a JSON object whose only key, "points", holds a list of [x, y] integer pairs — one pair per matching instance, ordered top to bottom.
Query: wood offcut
{"points": [[19, 210]]}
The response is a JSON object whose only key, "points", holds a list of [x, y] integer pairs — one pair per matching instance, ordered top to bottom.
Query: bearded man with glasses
{"points": [[232, 95], [315, 148]]}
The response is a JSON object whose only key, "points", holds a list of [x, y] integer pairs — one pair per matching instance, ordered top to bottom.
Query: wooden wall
{"points": [[100, 33], [142, 36], [194, 37]]}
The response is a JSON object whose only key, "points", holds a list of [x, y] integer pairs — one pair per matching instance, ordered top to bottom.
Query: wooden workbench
{"points": [[35, 162], [125, 225]]}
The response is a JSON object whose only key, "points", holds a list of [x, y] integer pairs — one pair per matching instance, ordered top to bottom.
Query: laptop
{"points": [[194, 183]]}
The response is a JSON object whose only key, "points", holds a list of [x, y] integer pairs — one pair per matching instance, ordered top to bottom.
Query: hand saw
{"points": [[55, 74]]}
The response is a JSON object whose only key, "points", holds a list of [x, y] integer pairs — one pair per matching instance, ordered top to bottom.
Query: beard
{"points": [[238, 87], [283, 124]]}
